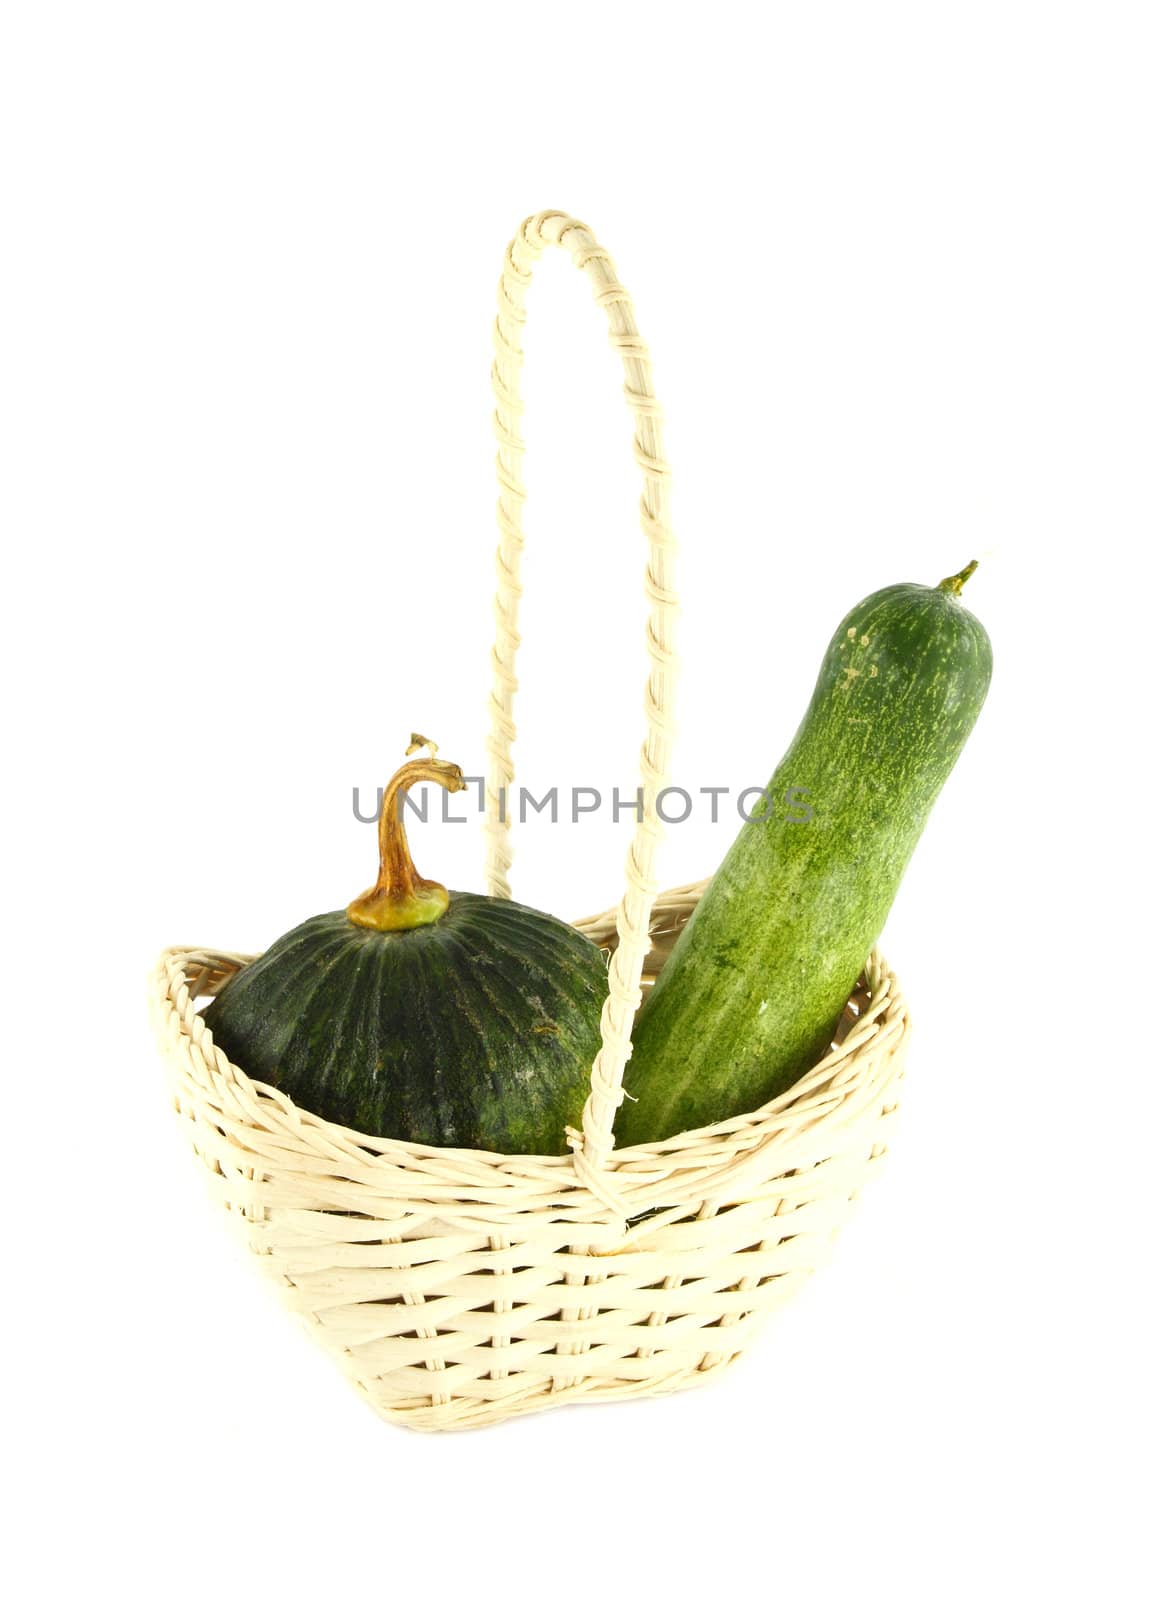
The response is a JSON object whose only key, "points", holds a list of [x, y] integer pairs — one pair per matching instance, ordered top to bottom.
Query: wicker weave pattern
{"points": [[457, 1287]]}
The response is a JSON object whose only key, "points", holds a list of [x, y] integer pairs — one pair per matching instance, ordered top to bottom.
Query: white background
{"points": [[898, 268]]}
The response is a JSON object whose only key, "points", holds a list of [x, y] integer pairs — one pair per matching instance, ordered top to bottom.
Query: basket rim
{"points": [[854, 1077]]}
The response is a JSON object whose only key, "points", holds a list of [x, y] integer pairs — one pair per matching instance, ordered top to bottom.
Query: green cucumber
{"points": [[751, 994]]}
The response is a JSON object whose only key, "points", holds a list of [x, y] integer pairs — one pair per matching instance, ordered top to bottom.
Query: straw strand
{"points": [[592, 1145]]}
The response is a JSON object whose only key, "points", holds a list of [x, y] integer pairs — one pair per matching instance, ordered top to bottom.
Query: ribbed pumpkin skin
{"points": [[476, 1031]]}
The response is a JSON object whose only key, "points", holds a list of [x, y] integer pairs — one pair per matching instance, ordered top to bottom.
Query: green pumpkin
{"points": [[442, 1018]]}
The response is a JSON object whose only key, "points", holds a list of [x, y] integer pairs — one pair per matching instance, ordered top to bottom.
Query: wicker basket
{"points": [[459, 1287]]}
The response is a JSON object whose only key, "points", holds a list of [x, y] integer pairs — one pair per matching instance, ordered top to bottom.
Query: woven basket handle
{"points": [[593, 1145]]}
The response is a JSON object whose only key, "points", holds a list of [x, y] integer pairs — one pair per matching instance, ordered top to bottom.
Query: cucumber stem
{"points": [[955, 584], [401, 898]]}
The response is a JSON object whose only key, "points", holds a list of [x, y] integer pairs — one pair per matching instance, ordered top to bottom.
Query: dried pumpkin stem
{"points": [[957, 582], [401, 898]]}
